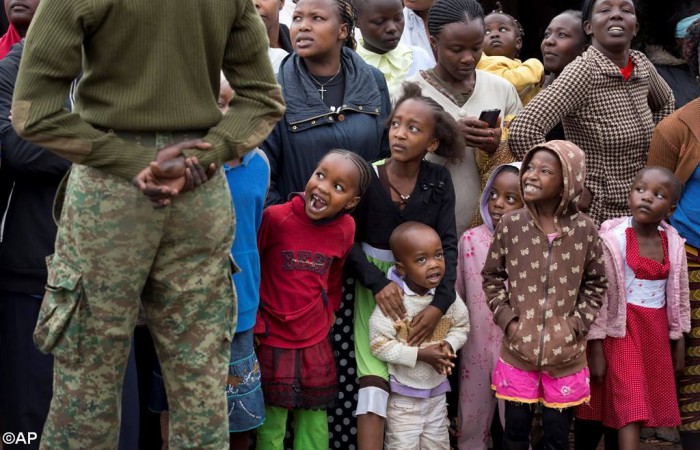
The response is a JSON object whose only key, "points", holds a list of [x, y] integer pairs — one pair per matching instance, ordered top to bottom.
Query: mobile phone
{"points": [[490, 116]]}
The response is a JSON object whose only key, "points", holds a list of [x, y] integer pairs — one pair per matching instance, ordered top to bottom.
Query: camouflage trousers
{"points": [[112, 249]]}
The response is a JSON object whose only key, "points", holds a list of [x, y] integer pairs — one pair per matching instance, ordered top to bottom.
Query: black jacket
{"points": [[309, 129], [29, 178], [432, 202]]}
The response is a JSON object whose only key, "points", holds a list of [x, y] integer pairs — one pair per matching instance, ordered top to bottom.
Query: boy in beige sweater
{"points": [[418, 375]]}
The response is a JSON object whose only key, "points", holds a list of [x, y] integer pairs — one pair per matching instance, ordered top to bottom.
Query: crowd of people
{"points": [[373, 227]]}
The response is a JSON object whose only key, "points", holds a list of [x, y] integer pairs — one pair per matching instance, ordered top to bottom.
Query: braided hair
{"points": [[445, 12], [348, 14], [518, 26], [692, 41], [451, 143], [363, 168]]}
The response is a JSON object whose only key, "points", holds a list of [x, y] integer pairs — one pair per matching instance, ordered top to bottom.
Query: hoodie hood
{"points": [[573, 164], [484, 206]]}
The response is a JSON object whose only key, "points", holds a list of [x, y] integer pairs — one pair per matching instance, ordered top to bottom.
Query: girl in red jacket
{"points": [[303, 244]]}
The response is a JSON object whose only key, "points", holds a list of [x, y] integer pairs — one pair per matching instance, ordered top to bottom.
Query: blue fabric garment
{"points": [[309, 129], [248, 184], [686, 218], [246, 404]]}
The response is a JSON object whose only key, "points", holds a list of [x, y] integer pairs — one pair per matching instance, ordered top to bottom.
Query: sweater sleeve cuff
{"points": [[217, 154], [125, 160], [377, 285], [442, 303], [504, 317], [596, 333], [676, 335], [455, 343], [408, 356]]}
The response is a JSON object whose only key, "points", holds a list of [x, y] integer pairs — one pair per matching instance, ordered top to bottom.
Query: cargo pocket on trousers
{"points": [[59, 326]]}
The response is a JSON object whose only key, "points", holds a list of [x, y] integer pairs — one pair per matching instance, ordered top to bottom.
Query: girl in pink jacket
{"points": [[631, 359], [477, 402]]}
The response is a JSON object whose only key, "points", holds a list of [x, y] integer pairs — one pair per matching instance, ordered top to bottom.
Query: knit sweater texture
{"points": [[145, 67], [490, 91], [610, 118], [675, 144], [388, 340]]}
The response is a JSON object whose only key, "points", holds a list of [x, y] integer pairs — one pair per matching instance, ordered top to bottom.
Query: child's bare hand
{"points": [[390, 301], [424, 324], [447, 350], [678, 354], [437, 357], [596, 361]]}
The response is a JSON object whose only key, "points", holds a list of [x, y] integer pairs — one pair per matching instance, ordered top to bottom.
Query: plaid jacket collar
{"points": [[610, 69]]}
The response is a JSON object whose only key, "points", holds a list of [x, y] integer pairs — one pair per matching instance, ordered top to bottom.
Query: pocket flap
{"points": [[62, 275], [59, 325]]}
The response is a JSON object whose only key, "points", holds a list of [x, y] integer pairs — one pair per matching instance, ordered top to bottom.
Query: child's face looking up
{"points": [[382, 23], [502, 37], [225, 96], [412, 131], [542, 179], [333, 187], [504, 195], [651, 197], [420, 260]]}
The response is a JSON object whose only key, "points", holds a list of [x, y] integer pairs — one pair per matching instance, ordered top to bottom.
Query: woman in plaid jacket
{"points": [[609, 100]]}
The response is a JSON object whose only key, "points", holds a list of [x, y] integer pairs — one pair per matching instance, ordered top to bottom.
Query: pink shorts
{"points": [[518, 385]]}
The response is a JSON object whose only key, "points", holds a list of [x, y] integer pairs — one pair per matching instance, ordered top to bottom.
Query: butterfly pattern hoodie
{"points": [[553, 289]]}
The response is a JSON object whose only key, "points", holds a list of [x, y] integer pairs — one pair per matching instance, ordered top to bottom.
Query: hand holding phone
{"points": [[490, 116]]}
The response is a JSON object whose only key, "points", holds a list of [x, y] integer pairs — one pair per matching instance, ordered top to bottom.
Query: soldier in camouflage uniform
{"points": [[150, 84]]}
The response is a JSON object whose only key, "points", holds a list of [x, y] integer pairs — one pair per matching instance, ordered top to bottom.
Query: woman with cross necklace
{"points": [[334, 99]]}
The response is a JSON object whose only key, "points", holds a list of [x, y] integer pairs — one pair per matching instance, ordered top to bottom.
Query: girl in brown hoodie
{"points": [[544, 280]]}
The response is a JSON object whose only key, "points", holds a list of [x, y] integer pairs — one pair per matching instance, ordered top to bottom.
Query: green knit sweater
{"points": [[147, 66]]}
